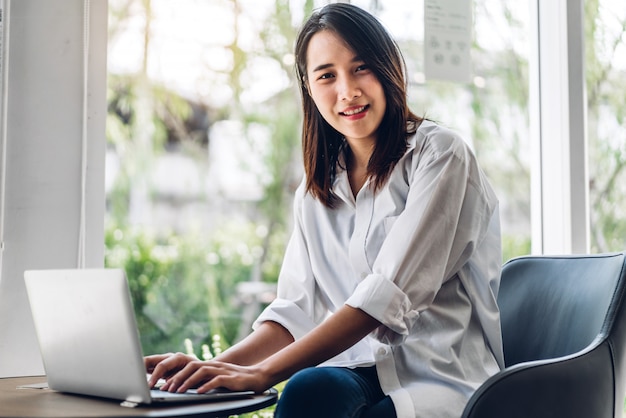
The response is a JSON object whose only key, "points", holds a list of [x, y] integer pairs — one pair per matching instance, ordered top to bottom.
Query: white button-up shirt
{"points": [[421, 255]]}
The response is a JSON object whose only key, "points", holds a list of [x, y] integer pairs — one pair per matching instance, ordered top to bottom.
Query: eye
{"points": [[362, 67], [325, 76]]}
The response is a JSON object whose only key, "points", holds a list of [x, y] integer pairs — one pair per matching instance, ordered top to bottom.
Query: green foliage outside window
{"points": [[188, 286]]}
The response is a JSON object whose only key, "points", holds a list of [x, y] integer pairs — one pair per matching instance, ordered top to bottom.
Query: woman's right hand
{"points": [[165, 365]]}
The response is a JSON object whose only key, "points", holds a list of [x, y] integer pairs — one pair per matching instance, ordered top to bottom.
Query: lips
{"points": [[355, 110]]}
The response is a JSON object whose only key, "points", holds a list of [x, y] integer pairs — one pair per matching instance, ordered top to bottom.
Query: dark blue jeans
{"points": [[334, 392]]}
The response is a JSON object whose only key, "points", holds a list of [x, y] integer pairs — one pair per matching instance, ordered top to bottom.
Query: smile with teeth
{"points": [[353, 111]]}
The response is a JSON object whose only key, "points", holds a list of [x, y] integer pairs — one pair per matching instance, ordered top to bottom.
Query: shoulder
{"points": [[436, 140], [437, 149], [300, 193], [303, 200]]}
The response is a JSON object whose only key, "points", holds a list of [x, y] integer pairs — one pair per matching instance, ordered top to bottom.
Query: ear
{"points": [[305, 85]]}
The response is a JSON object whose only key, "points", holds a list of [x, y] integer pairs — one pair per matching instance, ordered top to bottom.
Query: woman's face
{"points": [[346, 92]]}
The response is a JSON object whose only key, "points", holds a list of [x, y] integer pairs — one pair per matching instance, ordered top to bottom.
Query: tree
{"points": [[605, 38]]}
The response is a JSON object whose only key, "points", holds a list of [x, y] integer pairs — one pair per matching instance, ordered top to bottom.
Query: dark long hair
{"points": [[321, 143]]}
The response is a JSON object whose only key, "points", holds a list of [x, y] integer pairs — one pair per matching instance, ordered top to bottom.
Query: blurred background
{"points": [[203, 144]]}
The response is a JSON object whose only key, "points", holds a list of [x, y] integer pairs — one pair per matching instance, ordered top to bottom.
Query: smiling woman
{"points": [[394, 255]]}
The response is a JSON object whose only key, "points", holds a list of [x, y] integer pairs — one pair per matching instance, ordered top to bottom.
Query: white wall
{"points": [[44, 152]]}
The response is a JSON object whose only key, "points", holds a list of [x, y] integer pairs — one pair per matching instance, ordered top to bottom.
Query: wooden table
{"points": [[16, 400]]}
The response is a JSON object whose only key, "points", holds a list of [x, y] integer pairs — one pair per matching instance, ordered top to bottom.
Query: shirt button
{"points": [[382, 351]]}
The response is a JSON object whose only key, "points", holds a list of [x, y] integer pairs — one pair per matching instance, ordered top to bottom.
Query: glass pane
{"points": [[605, 37], [606, 84], [492, 111], [203, 148]]}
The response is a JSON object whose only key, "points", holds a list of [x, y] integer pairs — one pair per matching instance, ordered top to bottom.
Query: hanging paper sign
{"points": [[447, 40]]}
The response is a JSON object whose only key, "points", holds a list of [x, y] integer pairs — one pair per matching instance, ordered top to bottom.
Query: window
{"points": [[605, 30], [203, 147]]}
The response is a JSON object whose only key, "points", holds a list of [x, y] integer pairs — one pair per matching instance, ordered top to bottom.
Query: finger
{"points": [[151, 361], [168, 366], [215, 370], [203, 373], [231, 377], [196, 378], [180, 381], [218, 381], [234, 381]]}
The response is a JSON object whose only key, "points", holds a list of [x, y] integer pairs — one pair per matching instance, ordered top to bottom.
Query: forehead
{"points": [[327, 48]]}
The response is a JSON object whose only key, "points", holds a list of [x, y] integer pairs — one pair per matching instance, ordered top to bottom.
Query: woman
{"points": [[390, 277]]}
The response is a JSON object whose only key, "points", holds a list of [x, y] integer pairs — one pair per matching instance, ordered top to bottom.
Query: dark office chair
{"points": [[564, 335]]}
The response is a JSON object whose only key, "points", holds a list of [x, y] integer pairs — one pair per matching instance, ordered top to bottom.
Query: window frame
{"points": [[558, 119]]}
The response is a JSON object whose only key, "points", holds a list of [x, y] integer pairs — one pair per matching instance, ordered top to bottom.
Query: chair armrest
{"points": [[580, 385]]}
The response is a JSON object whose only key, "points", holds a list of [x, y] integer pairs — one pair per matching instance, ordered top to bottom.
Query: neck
{"points": [[358, 155], [356, 165]]}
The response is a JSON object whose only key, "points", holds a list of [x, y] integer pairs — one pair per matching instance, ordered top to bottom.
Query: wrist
{"points": [[271, 374]]}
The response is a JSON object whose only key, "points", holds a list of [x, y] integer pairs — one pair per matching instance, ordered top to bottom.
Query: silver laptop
{"points": [[88, 337]]}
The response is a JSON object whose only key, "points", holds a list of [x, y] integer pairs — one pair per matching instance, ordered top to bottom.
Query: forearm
{"points": [[339, 332], [269, 338], [271, 353]]}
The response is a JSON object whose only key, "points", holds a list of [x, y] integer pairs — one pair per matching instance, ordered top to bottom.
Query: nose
{"points": [[348, 89]]}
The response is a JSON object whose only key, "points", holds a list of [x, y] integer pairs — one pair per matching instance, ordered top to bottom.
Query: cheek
{"points": [[380, 92], [381, 100], [384, 101], [323, 102]]}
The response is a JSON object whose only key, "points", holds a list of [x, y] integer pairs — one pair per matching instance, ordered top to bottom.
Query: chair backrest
{"points": [[556, 306]]}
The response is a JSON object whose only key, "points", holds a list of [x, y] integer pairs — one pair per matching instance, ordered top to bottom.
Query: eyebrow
{"points": [[325, 66], [322, 67]]}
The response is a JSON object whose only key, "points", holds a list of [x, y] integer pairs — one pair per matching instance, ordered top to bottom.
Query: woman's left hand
{"points": [[207, 375]]}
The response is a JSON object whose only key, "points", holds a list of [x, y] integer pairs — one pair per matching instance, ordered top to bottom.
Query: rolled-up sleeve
{"points": [[382, 299], [298, 306]]}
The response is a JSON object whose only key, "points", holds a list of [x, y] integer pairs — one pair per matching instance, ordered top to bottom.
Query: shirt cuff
{"points": [[383, 300], [287, 314]]}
